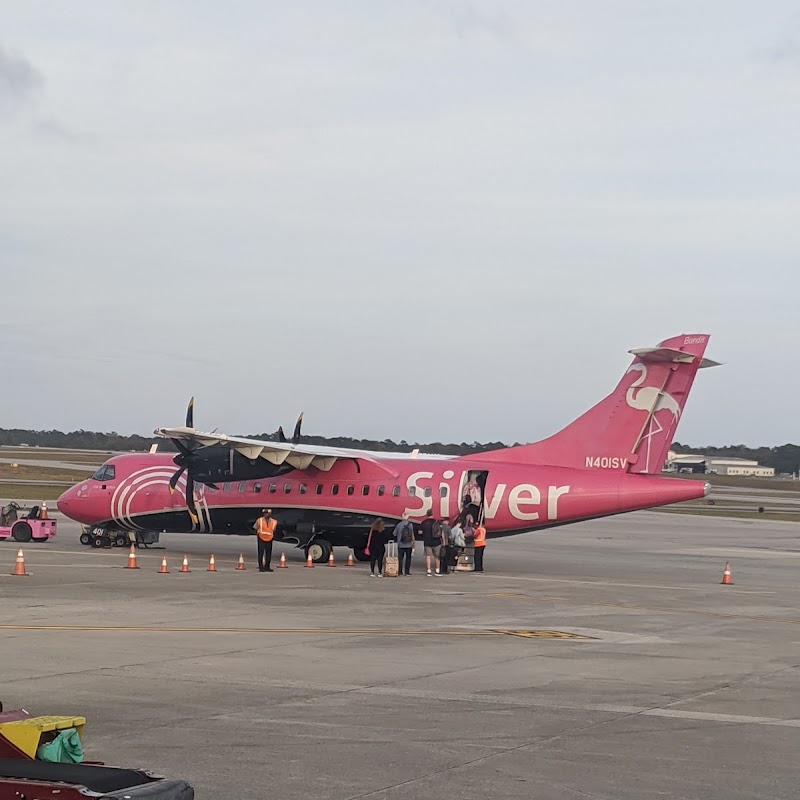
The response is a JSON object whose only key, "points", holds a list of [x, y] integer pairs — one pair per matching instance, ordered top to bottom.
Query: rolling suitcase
{"points": [[392, 563]]}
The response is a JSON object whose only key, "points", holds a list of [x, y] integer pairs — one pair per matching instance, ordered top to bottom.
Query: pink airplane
{"points": [[608, 461]]}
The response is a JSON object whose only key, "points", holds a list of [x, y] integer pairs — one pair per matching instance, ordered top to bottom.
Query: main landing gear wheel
{"points": [[21, 532], [101, 541], [319, 550], [360, 554]]}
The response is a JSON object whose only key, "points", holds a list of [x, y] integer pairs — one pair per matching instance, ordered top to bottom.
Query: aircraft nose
{"points": [[66, 502], [72, 505]]}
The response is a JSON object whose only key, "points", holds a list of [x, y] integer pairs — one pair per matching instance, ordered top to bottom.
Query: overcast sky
{"points": [[431, 220]]}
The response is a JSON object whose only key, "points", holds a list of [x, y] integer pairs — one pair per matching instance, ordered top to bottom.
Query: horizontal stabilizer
{"points": [[661, 354], [654, 355]]}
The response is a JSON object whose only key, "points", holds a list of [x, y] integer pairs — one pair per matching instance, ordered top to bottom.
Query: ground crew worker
{"points": [[265, 529], [480, 546]]}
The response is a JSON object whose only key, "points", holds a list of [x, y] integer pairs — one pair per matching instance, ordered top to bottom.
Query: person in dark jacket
{"points": [[432, 540], [376, 544]]}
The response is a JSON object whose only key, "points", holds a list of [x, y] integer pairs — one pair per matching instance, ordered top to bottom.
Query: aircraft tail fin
{"points": [[632, 429]]}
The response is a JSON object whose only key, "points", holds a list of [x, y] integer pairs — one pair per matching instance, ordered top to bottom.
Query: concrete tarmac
{"points": [[325, 683]]}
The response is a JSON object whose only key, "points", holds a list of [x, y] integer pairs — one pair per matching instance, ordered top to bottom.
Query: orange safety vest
{"points": [[265, 528], [480, 536]]}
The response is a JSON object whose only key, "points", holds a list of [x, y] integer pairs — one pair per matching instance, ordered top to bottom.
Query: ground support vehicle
{"points": [[28, 528], [22, 775]]}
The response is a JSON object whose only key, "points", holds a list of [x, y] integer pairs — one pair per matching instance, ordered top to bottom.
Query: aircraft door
{"points": [[473, 496]]}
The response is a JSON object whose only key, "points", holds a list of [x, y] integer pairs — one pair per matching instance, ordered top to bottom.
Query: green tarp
{"points": [[64, 749]]}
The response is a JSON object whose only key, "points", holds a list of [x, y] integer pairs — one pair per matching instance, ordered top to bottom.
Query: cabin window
{"points": [[242, 486], [226, 487], [273, 487], [257, 488], [287, 488], [302, 488], [318, 488], [334, 488], [350, 488], [365, 490], [380, 490], [395, 491], [412, 491], [427, 491], [443, 491]]}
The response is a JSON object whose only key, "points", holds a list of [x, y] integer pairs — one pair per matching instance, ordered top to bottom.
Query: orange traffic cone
{"points": [[43, 511], [132, 559], [350, 559], [309, 561], [331, 562], [282, 563], [185, 565], [240, 565], [19, 567], [212, 567], [164, 569], [726, 575]]}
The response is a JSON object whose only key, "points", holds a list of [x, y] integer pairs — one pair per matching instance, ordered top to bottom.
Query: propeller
{"points": [[296, 435], [183, 462]]}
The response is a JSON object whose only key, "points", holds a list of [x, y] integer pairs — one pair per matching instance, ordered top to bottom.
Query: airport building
{"points": [[716, 465]]}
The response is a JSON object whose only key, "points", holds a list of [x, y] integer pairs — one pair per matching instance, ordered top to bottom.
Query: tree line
{"points": [[95, 440], [785, 458]]}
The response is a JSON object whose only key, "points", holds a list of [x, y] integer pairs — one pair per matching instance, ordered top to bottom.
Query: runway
{"points": [[595, 660]]}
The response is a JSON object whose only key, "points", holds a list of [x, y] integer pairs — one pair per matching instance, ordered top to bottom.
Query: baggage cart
{"points": [[466, 560]]}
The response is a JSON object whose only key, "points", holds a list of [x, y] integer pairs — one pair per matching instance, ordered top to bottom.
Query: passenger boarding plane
{"points": [[606, 462]]}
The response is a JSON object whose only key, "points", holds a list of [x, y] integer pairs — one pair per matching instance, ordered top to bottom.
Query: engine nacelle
{"points": [[219, 463]]}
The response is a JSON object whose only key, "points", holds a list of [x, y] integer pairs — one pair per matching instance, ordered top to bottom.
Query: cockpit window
{"points": [[105, 473]]}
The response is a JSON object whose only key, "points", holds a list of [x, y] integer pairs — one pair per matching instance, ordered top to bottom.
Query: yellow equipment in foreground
{"points": [[30, 733]]}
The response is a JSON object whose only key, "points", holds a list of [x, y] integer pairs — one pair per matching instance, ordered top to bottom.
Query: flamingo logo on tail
{"points": [[646, 398], [650, 399]]}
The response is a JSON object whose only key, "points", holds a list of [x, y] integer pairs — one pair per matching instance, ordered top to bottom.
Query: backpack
{"points": [[407, 534]]}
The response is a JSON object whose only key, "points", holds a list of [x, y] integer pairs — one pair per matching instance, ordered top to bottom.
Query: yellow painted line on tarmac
{"points": [[527, 634], [546, 634]]}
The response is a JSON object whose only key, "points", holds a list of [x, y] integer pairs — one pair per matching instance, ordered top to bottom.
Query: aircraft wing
{"points": [[299, 456]]}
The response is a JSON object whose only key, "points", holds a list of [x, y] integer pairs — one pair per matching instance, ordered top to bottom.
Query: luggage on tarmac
{"points": [[391, 565]]}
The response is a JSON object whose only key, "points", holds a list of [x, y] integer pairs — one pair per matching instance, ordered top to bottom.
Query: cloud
{"points": [[467, 18], [787, 51], [19, 80], [51, 128]]}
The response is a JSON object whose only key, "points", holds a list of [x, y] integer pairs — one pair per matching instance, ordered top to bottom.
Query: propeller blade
{"points": [[190, 414], [298, 425], [281, 434], [184, 450], [173, 481], [190, 506]]}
